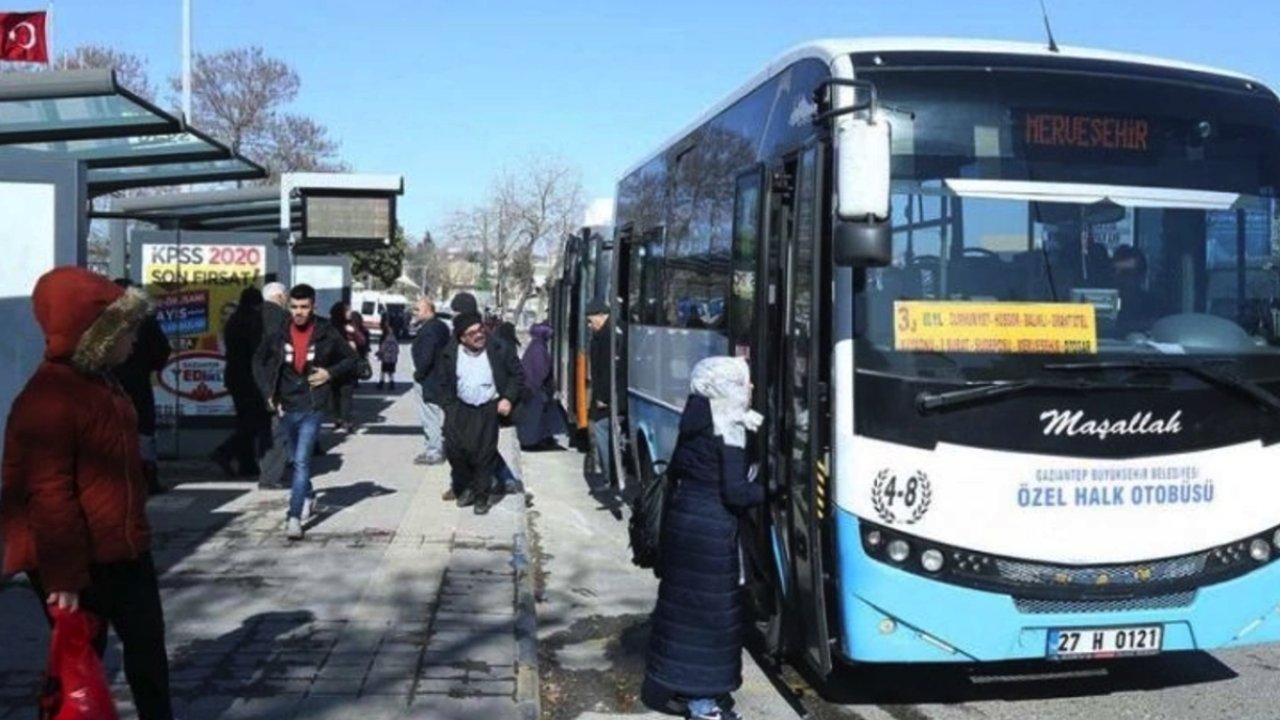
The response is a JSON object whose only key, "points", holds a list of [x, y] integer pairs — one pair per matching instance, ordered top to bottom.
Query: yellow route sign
{"points": [[995, 327]]}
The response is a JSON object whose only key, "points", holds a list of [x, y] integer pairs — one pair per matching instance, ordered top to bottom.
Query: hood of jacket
{"points": [[82, 315], [696, 417]]}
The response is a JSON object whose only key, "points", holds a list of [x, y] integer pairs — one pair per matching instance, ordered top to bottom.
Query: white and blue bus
{"points": [[1013, 316]]}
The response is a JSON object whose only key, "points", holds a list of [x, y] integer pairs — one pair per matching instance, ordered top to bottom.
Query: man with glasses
{"points": [[481, 382]]}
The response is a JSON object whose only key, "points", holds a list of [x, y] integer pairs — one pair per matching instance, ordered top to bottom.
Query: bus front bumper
{"points": [[889, 615]]}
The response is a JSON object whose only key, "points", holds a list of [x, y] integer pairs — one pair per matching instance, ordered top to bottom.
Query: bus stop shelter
{"points": [[67, 137], [70, 137]]}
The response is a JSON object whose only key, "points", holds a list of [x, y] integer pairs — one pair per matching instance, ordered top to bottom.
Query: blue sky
{"points": [[447, 93]]}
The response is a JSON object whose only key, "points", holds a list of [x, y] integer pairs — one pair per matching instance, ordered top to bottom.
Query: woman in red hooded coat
{"points": [[73, 500]]}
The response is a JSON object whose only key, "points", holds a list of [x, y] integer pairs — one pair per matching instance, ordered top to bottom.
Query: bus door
{"points": [[619, 286], [752, 311], [800, 387]]}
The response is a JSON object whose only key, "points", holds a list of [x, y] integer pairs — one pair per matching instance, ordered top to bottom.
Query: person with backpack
{"points": [[695, 645]]}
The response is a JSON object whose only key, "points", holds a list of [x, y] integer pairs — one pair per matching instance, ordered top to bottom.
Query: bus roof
{"points": [[831, 49]]}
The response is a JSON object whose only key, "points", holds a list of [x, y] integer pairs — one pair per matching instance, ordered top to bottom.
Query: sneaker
{"points": [[422, 459], [435, 459], [449, 495], [482, 505], [309, 509], [293, 529]]}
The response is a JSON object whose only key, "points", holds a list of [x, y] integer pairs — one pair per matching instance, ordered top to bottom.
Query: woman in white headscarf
{"points": [[695, 649]]}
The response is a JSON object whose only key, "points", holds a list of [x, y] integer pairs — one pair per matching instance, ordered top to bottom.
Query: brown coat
{"points": [[73, 492]]}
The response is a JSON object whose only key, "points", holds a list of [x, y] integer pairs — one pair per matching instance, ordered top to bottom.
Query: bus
{"points": [[585, 273], [1013, 319]]}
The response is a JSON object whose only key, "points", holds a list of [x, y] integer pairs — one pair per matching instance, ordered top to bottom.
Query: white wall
{"points": [[28, 210], [42, 225]]}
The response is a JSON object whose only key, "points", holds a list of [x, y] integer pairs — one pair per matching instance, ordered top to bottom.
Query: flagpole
{"points": [[48, 35], [186, 61]]}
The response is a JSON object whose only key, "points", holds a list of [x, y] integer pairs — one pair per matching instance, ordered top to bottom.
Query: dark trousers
{"points": [[343, 398], [252, 436], [471, 446], [275, 458], [127, 596]]}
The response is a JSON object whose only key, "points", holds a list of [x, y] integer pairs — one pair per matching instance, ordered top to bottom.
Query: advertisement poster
{"points": [[196, 288]]}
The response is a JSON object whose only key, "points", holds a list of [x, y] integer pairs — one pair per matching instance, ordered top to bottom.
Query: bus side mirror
{"points": [[863, 237], [863, 244]]}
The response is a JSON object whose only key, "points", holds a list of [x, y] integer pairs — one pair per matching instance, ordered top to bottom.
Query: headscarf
{"points": [[537, 358], [725, 383]]}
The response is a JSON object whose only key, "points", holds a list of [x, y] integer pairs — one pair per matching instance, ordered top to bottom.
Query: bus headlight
{"points": [[1275, 539], [899, 550], [1260, 550], [931, 560]]}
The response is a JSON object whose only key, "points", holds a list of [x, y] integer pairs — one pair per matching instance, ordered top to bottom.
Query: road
{"points": [[593, 608], [1236, 685]]}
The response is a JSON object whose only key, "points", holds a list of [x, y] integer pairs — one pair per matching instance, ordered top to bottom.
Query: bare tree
{"points": [[238, 96], [300, 144], [534, 208], [527, 214]]}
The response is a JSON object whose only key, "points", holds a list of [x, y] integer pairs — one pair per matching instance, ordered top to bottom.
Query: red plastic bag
{"points": [[75, 684]]}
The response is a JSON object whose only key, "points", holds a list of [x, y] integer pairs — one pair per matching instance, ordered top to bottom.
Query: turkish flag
{"points": [[22, 37]]}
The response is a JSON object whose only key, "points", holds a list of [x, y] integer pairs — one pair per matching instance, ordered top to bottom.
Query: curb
{"points": [[528, 681]]}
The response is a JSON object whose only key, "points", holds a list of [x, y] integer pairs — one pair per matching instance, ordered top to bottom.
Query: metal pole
{"points": [[186, 61]]}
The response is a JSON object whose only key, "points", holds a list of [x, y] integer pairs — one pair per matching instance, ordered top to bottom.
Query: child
{"points": [[388, 353]]}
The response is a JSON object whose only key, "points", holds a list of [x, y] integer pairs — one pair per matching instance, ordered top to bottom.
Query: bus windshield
{"points": [[1017, 190]]}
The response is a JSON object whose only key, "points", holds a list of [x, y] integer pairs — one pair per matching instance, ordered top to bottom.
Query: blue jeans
{"points": [[432, 417], [301, 427], [600, 437]]}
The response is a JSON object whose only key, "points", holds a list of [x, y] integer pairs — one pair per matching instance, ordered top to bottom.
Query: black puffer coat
{"points": [[695, 649]]}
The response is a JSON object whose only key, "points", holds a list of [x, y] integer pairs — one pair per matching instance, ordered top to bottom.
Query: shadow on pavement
{"points": [[392, 430], [336, 499], [207, 676]]}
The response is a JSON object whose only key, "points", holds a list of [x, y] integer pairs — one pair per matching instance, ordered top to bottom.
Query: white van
{"points": [[374, 304]]}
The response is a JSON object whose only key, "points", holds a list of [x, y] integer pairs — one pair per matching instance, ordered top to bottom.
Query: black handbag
{"points": [[364, 370], [645, 525]]}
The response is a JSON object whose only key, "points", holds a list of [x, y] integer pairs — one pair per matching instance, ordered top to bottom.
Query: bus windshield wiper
{"points": [[1200, 369], [930, 401]]}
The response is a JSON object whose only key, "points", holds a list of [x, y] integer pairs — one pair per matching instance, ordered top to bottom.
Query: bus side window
{"points": [[652, 292]]}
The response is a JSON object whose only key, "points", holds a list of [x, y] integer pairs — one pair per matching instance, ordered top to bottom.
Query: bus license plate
{"points": [[1076, 643]]}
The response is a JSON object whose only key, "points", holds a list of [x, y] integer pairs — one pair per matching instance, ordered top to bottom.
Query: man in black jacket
{"points": [[241, 337], [428, 344], [296, 369], [481, 382], [601, 389], [275, 457]]}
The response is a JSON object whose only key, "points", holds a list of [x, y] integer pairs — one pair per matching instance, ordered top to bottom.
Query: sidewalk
{"points": [[396, 605]]}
